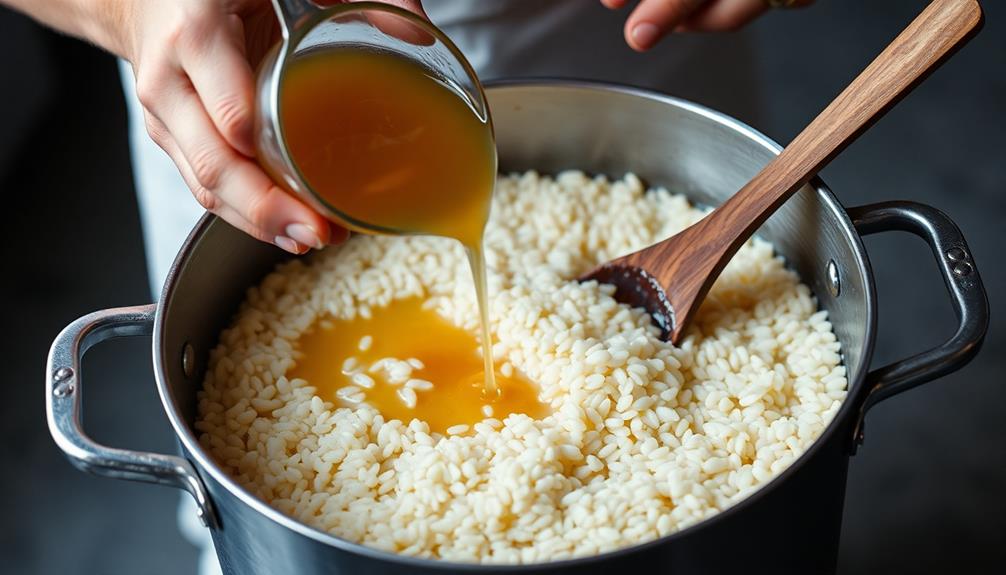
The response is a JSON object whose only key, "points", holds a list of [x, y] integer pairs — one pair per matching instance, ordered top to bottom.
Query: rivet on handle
{"points": [[957, 254], [962, 269], [63, 377]]}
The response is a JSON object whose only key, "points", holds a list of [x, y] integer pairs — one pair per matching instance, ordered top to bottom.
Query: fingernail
{"points": [[645, 34], [305, 234], [289, 245]]}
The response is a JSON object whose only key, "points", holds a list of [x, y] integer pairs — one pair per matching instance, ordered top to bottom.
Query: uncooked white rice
{"points": [[644, 439]]}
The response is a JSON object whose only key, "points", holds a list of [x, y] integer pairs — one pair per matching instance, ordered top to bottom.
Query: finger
{"points": [[614, 4], [723, 16], [653, 19], [216, 64], [159, 133], [222, 176], [207, 199], [234, 218], [337, 233]]}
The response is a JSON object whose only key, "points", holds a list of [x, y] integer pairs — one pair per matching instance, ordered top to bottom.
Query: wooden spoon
{"points": [[670, 279]]}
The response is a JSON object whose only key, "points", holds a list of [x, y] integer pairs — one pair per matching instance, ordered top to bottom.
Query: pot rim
{"points": [[205, 464]]}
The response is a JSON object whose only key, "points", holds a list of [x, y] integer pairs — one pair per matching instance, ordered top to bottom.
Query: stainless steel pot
{"points": [[550, 126]]}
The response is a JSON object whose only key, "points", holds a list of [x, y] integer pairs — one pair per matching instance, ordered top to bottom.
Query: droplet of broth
{"points": [[447, 354]]}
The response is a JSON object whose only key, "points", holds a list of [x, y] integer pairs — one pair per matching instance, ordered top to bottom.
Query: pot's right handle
{"points": [[966, 290], [63, 391]]}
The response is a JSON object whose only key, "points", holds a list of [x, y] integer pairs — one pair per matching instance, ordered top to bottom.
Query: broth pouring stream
{"points": [[389, 147]]}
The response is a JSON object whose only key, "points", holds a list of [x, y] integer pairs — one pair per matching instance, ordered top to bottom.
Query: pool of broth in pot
{"points": [[449, 358]]}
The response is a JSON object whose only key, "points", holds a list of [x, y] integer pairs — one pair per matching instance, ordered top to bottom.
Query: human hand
{"points": [[651, 20], [193, 61]]}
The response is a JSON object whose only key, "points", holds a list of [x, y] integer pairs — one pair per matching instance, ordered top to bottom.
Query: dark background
{"points": [[926, 493]]}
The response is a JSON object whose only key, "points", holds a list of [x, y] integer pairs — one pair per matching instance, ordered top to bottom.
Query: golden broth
{"points": [[385, 143], [405, 330]]}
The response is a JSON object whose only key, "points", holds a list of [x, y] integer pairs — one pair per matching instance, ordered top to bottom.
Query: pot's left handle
{"points": [[63, 390]]}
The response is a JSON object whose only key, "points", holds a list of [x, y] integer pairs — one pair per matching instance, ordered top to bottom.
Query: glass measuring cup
{"points": [[306, 29]]}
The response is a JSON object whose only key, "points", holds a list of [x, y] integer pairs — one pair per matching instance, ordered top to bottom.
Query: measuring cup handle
{"points": [[292, 13]]}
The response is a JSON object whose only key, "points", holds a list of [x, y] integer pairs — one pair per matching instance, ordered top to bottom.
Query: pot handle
{"points": [[967, 293], [63, 390]]}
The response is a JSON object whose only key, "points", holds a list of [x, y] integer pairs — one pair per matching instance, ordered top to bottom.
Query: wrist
{"points": [[106, 24]]}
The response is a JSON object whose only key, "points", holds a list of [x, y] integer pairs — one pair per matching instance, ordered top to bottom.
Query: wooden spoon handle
{"points": [[931, 38], [687, 264]]}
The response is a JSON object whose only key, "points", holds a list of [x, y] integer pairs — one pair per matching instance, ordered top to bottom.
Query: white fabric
{"points": [[501, 38]]}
